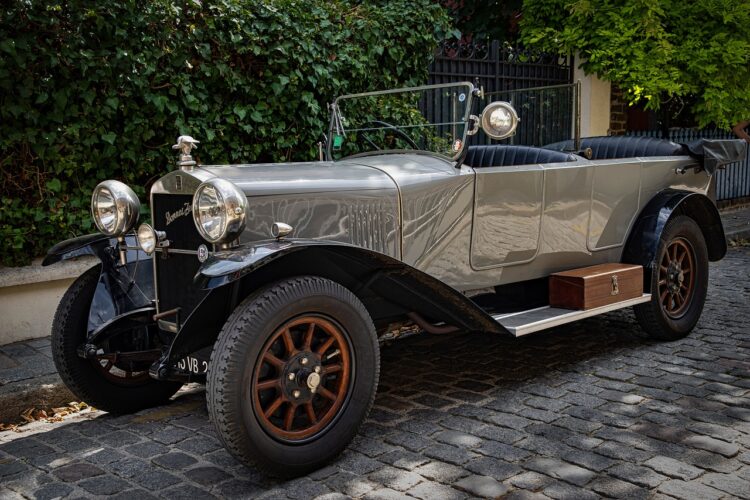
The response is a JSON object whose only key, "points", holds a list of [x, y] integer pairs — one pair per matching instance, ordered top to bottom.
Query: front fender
{"points": [[643, 242], [90, 244], [226, 267], [358, 268], [380, 281], [385, 285], [121, 289]]}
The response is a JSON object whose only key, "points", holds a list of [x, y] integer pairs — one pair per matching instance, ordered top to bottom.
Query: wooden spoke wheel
{"points": [[677, 277], [678, 281], [121, 373], [293, 375], [302, 378]]}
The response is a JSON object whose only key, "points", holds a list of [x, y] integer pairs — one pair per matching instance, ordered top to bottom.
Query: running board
{"points": [[525, 322]]}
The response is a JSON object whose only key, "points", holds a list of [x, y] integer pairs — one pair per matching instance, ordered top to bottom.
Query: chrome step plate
{"points": [[525, 322]]}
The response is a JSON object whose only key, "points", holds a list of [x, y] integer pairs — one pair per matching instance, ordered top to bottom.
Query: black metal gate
{"points": [[498, 66], [539, 85], [547, 114]]}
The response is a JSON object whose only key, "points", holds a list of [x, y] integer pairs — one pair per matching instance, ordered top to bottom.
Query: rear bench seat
{"points": [[619, 146], [503, 155]]}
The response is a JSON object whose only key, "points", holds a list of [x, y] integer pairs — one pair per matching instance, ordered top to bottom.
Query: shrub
{"points": [[97, 90]]}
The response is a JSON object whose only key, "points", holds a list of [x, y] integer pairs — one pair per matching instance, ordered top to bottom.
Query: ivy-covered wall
{"points": [[96, 90]]}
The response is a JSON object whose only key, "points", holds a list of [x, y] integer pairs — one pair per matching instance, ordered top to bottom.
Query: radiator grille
{"points": [[174, 275]]}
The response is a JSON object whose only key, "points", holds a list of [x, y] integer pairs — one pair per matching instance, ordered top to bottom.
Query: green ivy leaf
{"points": [[54, 185]]}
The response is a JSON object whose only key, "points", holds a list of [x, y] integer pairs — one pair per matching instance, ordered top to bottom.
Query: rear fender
{"points": [[643, 242], [388, 288], [121, 289]]}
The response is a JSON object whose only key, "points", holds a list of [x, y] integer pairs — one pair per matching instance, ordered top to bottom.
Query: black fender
{"points": [[643, 241], [90, 244], [388, 287], [121, 289], [123, 323]]}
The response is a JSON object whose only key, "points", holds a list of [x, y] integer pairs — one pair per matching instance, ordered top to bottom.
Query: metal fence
{"points": [[498, 66], [538, 85], [547, 114], [733, 182]]}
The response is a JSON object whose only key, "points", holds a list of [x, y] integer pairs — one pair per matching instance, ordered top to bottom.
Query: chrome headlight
{"points": [[499, 120], [114, 208], [219, 210], [147, 238]]}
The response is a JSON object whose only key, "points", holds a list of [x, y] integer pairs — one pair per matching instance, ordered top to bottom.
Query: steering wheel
{"points": [[381, 124]]}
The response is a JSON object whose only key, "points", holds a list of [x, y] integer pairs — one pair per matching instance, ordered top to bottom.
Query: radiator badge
{"points": [[186, 209], [202, 253]]}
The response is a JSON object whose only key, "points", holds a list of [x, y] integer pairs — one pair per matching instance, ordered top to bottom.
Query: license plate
{"points": [[192, 365]]}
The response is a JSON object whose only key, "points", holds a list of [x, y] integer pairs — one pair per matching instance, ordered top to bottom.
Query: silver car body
{"points": [[470, 228]]}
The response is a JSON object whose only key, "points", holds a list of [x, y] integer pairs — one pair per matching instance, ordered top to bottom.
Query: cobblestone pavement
{"points": [[736, 222], [25, 360], [586, 410]]}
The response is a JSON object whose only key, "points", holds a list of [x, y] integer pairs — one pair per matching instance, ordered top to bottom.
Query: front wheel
{"points": [[679, 282], [293, 374], [109, 385]]}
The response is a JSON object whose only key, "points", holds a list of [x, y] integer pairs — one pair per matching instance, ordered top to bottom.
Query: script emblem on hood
{"points": [[186, 209]]}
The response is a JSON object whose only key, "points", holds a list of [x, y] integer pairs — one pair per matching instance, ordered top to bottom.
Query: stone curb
{"points": [[35, 273]]}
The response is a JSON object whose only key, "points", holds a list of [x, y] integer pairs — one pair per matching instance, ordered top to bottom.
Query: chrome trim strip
{"points": [[176, 250], [546, 317]]}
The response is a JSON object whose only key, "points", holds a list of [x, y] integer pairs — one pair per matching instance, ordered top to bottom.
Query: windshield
{"points": [[432, 118]]}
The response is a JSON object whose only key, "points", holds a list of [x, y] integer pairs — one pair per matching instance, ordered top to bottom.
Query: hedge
{"points": [[98, 90]]}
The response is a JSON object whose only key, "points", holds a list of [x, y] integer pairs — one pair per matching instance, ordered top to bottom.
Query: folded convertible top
{"points": [[716, 153]]}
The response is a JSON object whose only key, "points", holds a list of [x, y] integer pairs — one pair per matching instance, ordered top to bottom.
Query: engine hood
{"points": [[362, 173], [260, 179]]}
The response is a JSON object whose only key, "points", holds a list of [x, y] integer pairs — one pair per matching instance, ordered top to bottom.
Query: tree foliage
{"points": [[656, 50], [96, 90]]}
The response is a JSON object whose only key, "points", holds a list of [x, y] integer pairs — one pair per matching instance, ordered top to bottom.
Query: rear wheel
{"points": [[679, 282], [292, 375], [105, 383]]}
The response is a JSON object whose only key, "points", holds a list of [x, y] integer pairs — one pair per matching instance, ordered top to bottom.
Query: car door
{"points": [[615, 201], [508, 205]]}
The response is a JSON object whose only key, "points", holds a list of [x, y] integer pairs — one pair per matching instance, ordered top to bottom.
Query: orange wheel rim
{"points": [[677, 278], [120, 375], [302, 378]]}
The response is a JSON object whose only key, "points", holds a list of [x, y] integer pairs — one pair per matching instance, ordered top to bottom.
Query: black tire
{"points": [[680, 234], [239, 356], [81, 375]]}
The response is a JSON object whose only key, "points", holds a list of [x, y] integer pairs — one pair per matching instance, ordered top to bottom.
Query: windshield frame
{"points": [[465, 119]]}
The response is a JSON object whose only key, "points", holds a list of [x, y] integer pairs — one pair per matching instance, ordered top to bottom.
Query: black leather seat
{"points": [[620, 146], [503, 155]]}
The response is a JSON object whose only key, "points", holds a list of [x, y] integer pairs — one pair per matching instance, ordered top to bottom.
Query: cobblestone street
{"points": [[591, 409]]}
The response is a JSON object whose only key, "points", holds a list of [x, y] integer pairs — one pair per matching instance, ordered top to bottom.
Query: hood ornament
{"points": [[185, 144]]}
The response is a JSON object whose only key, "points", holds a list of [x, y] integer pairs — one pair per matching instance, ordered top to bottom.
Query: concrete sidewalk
{"points": [[736, 223], [28, 377]]}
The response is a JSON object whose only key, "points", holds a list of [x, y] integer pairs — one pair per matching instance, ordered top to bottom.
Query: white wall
{"points": [[595, 101], [29, 297]]}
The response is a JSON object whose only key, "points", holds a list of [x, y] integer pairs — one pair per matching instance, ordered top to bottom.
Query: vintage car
{"points": [[274, 283]]}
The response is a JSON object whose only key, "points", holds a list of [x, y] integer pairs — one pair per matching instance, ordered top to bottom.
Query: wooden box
{"points": [[595, 286]]}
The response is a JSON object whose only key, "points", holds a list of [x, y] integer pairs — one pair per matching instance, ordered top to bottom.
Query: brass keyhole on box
{"points": [[615, 285]]}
